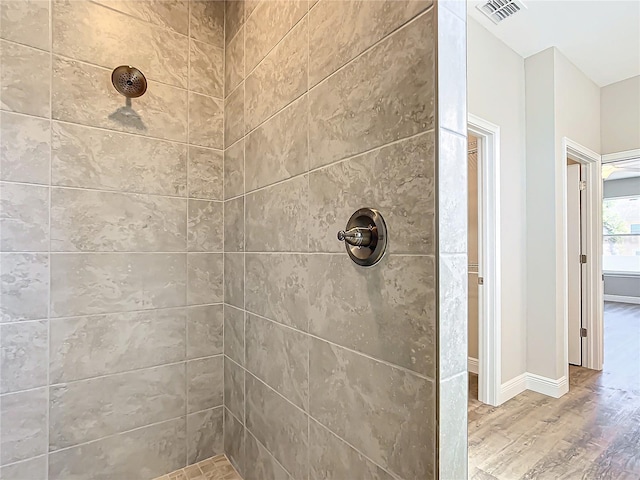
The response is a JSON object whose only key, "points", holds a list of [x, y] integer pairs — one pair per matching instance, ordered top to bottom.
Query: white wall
{"points": [[496, 93], [620, 108]]}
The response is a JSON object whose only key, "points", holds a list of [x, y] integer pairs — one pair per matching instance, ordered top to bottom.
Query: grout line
{"points": [[187, 192], [308, 401]]}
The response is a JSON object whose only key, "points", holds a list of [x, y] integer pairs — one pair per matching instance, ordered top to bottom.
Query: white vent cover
{"points": [[499, 10]]}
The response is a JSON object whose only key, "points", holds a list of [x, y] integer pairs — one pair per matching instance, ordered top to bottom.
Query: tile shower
{"points": [[171, 285]]}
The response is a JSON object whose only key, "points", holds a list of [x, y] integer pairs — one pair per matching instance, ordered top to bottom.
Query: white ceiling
{"points": [[601, 37]]}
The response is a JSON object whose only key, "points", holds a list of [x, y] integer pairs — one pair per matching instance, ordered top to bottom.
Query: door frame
{"points": [[489, 255]]}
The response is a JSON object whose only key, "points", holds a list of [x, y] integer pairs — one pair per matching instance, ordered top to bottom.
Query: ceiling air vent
{"points": [[499, 10]]}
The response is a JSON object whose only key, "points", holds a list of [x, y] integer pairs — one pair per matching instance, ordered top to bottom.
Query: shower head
{"points": [[129, 81]]}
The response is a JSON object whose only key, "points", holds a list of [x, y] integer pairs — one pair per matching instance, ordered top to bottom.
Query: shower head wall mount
{"points": [[129, 81]]}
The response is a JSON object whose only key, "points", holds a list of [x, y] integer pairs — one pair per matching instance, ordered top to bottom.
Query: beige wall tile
{"points": [[172, 14], [234, 18], [207, 21], [26, 22], [234, 62], [206, 69], [234, 117], [205, 121], [25, 149], [234, 170], [205, 173], [24, 218], [234, 225], [205, 227], [204, 277], [234, 279], [24, 286], [205, 325], [234, 334], [24, 351], [205, 385], [234, 388], [24, 425], [204, 434], [234, 441], [259, 463], [33, 469]]}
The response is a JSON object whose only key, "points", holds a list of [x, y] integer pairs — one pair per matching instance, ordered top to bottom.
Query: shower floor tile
{"points": [[214, 468]]}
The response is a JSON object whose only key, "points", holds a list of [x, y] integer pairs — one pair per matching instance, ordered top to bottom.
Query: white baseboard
{"points": [[621, 299], [472, 365], [547, 386], [513, 387]]}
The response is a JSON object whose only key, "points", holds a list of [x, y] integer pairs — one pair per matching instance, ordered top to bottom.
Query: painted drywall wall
{"points": [[620, 116]]}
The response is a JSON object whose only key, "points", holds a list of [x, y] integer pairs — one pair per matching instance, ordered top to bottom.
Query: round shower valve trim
{"points": [[365, 237]]}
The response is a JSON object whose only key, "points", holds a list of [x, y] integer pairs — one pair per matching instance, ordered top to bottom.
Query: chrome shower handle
{"points": [[356, 236]]}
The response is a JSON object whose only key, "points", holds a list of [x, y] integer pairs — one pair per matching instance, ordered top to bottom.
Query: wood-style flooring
{"points": [[592, 432]]}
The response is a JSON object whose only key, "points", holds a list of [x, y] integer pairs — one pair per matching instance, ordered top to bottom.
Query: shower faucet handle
{"points": [[356, 236]]}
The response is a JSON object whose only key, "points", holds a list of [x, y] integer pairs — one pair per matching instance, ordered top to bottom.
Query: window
{"points": [[621, 229]]}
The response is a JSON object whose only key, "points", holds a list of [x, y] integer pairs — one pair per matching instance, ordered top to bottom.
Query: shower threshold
{"points": [[214, 468]]}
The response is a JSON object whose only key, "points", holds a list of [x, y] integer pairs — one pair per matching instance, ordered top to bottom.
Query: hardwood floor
{"points": [[593, 432]]}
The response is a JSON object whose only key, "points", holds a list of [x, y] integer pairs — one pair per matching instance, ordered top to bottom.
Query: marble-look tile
{"points": [[249, 7], [172, 14], [234, 18], [207, 21], [25, 22], [268, 24], [340, 31], [91, 33], [234, 62], [206, 71], [283, 73], [452, 74], [25, 82], [84, 94], [367, 104], [234, 117], [205, 121], [25, 149], [277, 150], [92, 158], [234, 170], [205, 173], [402, 189], [452, 193], [24, 218], [276, 218], [93, 221], [234, 225], [205, 226], [204, 278], [234, 279], [88, 283], [24, 286], [278, 288], [453, 301], [388, 312], [205, 325], [234, 334], [85, 347], [23, 355], [279, 356], [205, 383], [234, 388], [91, 409], [24, 425], [278, 425], [394, 426], [205, 434], [234, 441], [452, 451], [143, 453], [330, 458], [260, 464], [32, 469]]}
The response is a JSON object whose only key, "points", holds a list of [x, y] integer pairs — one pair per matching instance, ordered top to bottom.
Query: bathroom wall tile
{"points": [[249, 7], [458, 7], [172, 14], [234, 18], [207, 21], [26, 22], [268, 24], [340, 31], [92, 33], [234, 62], [206, 71], [283, 73], [25, 82], [84, 94], [347, 115], [234, 117], [205, 121], [25, 149], [277, 150], [92, 158], [234, 170], [205, 173], [402, 189], [452, 193], [24, 218], [276, 218], [92, 221], [234, 225], [205, 226], [204, 278], [234, 279], [87, 283], [24, 286], [278, 288], [453, 302], [387, 311], [205, 326], [234, 334], [85, 347], [23, 356], [279, 356], [205, 384], [234, 388], [91, 409], [452, 420], [24, 425], [278, 425], [394, 426], [205, 436], [234, 441], [143, 453], [330, 457], [260, 464], [32, 469]]}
